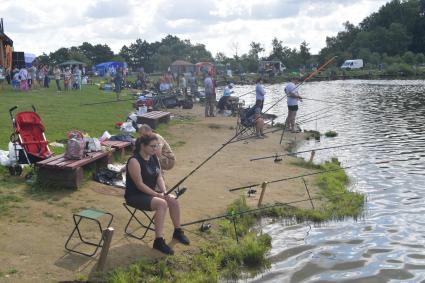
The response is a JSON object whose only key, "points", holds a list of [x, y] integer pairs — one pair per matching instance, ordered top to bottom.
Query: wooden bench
{"points": [[154, 118], [119, 146], [66, 173]]}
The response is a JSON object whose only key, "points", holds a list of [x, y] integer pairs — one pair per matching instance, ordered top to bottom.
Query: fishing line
{"points": [[309, 150], [314, 173]]}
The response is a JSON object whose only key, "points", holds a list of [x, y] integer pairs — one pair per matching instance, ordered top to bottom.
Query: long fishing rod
{"points": [[239, 96], [109, 101], [329, 102], [314, 112], [318, 117], [310, 119], [280, 129], [303, 151], [202, 163], [311, 174], [232, 215]]}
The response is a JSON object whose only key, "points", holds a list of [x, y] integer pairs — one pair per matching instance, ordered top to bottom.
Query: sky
{"points": [[227, 26]]}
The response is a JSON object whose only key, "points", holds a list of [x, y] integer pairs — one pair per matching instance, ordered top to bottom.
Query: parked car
{"points": [[352, 64]]}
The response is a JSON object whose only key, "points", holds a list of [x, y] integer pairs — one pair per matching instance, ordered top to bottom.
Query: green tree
{"points": [[255, 50], [304, 53], [59, 56], [409, 58], [420, 58]]}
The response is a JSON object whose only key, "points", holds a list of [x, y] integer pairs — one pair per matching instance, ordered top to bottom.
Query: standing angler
{"points": [[259, 94], [209, 95], [293, 98]]}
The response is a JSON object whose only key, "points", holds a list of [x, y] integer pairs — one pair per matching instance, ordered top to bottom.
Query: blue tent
{"points": [[29, 58], [103, 68]]}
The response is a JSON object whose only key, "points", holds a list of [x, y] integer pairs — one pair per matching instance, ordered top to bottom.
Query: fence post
{"points": [[312, 154], [263, 190], [107, 237]]}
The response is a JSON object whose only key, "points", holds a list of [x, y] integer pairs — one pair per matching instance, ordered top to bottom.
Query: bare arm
{"points": [[294, 95], [134, 171], [161, 183]]}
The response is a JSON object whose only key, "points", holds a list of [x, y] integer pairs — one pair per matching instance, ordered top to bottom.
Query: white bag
{"points": [[127, 127], [93, 144]]}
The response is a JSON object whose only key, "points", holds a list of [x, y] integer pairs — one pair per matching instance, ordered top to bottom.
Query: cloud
{"points": [[108, 9], [38, 26]]}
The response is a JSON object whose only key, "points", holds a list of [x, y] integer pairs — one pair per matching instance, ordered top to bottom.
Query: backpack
{"points": [[187, 103], [75, 146]]}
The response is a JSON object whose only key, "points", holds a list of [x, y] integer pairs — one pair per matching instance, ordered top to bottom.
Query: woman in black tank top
{"points": [[143, 176]]}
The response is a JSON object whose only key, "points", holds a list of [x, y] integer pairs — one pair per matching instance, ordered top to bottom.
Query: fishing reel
{"points": [[277, 158], [179, 191], [251, 192], [205, 227]]}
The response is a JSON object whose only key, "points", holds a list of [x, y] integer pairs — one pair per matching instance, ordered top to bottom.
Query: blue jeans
{"points": [[58, 84]]}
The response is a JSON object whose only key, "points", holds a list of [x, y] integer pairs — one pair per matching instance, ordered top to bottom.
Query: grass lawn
{"points": [[62, 111]]}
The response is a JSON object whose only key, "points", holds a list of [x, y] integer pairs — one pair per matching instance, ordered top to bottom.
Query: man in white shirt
{"points": [[292, 97]]}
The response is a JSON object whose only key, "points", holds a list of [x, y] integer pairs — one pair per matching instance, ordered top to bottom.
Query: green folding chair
{"points": [[90, 214]]}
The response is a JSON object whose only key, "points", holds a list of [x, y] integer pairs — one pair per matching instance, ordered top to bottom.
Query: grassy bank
{"points": [[63, 111], [221, 257]]}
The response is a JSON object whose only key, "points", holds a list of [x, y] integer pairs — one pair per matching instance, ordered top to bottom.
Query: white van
{"points": [[352, 64]]}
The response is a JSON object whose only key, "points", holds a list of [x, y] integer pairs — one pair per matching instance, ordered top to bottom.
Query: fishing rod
{"points": [[245, 93], [320, 100], [109, 101], [313, 112], [318, 117], [310, 119], [280, 129], [251, 136], [303, 151], [205, 161], [311, 174], [233, 214]]}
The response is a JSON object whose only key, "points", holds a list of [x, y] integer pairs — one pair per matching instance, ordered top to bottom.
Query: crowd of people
{"points": [[34, 77], [256, 111]]}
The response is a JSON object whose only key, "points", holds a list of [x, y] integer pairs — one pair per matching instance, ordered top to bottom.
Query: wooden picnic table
{"points": [[153, 118], [119, 146], [58, 170]]}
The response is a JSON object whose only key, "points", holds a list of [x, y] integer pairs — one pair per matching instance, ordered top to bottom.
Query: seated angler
{"points": [[223, 103], [143, 176]]}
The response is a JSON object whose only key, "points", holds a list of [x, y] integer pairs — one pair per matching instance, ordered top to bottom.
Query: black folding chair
{"points": [[245, 125], [146, 224]]}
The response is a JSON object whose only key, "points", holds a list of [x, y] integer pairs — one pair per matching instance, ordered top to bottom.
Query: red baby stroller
{"points": [[29, 142]]}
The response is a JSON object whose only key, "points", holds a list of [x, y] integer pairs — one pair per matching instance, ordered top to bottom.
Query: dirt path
{"points": [[32, 237]]}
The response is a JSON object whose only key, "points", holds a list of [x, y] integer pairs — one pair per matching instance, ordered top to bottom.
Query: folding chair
{"points": [[245, 125], [89, 214], [149, 220]]}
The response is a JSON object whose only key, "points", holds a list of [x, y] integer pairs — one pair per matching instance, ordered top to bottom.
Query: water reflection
{"points": [[388, 244]]}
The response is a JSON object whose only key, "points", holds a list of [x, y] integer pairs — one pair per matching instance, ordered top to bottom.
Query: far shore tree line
{"points": [[392, 39]]}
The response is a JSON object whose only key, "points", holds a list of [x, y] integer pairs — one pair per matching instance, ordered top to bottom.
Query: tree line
{"points": [[394, 34]]}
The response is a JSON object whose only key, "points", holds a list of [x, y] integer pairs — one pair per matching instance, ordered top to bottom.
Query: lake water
{"points": [[387, 243]]}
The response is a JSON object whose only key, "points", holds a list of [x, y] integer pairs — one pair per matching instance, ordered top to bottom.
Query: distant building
{"points": [[6, 48], [180, 67]]}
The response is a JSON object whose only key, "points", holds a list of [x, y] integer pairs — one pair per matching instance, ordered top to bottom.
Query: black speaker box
{"points": [[18, 59]]}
